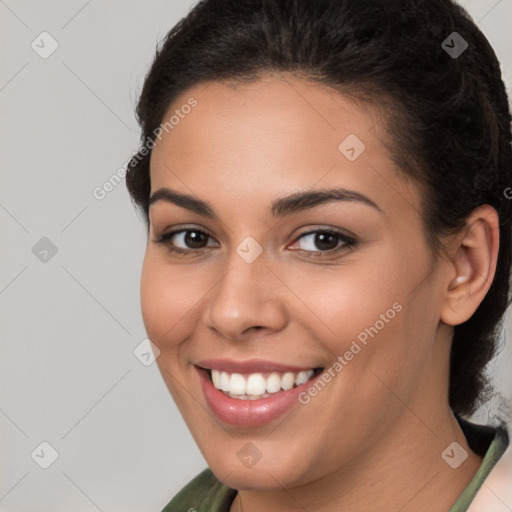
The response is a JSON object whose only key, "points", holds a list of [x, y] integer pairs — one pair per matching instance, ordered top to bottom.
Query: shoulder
{"points": [[489, 489], [496, 491], [204, 493]]}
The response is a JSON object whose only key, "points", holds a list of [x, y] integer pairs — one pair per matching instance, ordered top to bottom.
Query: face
{"points": [[243, 282]]}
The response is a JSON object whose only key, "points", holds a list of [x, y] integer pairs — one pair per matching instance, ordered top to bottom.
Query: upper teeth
{"points": [[258, 383]]}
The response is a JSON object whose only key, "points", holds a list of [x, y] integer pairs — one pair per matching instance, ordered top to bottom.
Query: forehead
{"points": [[276, 110], [273, 134]]}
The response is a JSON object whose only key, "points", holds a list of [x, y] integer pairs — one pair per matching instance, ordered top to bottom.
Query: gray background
{"points": [[71, 322]]}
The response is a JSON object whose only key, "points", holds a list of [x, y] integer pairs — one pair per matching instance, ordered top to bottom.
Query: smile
{"points": [[255, 386], [253, 399]]}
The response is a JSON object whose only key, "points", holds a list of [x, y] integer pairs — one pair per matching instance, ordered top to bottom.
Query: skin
{"points": [[373, 438]]}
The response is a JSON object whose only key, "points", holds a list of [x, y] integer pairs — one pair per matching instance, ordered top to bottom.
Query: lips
{"points": [[249, 366], [249, 410]]}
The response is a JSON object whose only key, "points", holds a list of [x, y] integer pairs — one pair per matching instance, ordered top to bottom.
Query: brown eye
{"points": [[195, 239], [185, 240], [325, 241]]}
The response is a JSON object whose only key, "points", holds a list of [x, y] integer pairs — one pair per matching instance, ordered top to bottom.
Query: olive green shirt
{"points": [[207, 494]]}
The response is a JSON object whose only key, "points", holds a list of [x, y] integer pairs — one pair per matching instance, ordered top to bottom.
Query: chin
{"points": [[263, 475], [251, 479]]}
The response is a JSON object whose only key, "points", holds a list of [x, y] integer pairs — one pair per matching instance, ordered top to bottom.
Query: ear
{"points": [[472, 268]]}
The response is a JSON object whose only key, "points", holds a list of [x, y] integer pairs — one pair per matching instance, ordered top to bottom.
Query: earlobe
{"points": [[472, 271]]}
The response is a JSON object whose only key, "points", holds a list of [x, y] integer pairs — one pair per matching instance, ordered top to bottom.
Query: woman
{"points": [[329, 248]]}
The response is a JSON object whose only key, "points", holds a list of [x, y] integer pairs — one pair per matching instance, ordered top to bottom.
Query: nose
{"points": [[248, 298]]}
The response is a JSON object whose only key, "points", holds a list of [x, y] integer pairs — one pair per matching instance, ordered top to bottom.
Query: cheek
{"points": [[168, 301], [341, 302], [368, 315]]}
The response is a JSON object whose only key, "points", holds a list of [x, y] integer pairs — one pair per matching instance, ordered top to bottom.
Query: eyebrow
{"points": [[300, 201]]}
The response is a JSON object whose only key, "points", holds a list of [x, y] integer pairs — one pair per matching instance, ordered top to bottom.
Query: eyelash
{"points": [[348, 242]]}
